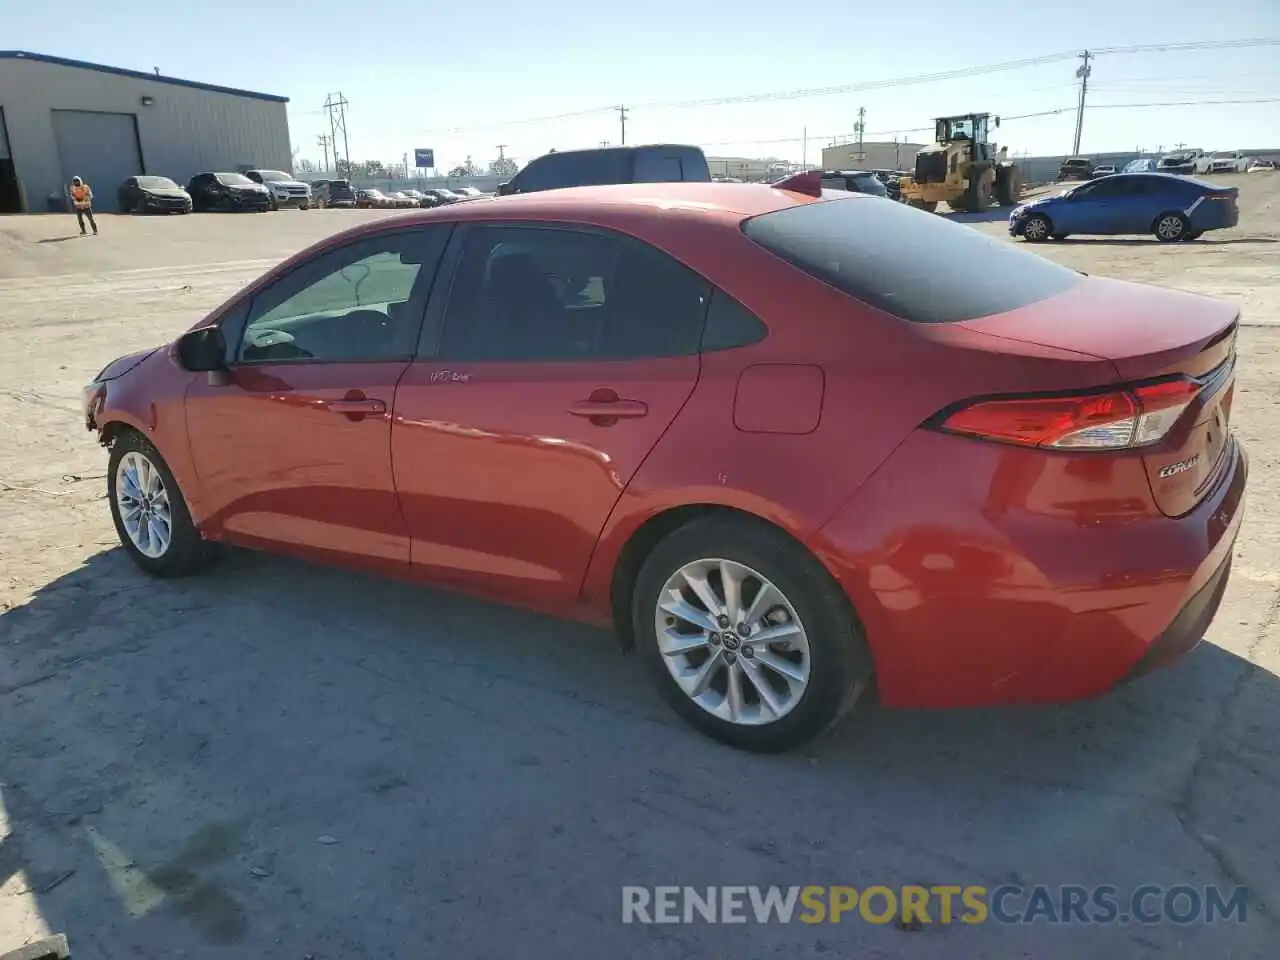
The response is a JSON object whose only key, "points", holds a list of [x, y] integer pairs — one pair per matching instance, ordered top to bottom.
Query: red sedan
{"points": [[798, 447]]}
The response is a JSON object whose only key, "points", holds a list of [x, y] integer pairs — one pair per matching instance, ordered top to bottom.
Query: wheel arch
{"points": [[642, 541]]}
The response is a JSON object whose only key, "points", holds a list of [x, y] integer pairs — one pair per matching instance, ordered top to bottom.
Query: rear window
{"points": [[914, 265]]}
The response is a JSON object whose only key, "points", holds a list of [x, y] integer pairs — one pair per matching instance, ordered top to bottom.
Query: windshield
{"points": [[274, 175], [233, 179], [157, 183]]}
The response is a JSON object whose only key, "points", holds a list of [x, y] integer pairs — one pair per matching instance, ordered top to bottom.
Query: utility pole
{"points": [[1082, 72], [337, 105], [622, 119], [858, 128], [324, 141], [804, 149]]}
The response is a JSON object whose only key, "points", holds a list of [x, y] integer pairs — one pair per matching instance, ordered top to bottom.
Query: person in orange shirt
{"points": [[82, 198]]}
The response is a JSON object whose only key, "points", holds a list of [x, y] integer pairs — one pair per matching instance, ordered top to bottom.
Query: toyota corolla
{"points": [[804, 450]]}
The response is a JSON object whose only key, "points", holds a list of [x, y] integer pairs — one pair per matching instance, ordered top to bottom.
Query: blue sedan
{"points": [[1172, 208]]}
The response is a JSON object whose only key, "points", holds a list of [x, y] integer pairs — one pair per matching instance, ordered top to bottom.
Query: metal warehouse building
{"points": [[62, 118]]}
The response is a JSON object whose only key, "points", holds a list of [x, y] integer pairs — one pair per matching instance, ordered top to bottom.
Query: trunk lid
{"points": [[1148, 332]]}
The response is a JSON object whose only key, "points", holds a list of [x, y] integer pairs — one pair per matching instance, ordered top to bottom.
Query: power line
{"points": [[912, 80]]}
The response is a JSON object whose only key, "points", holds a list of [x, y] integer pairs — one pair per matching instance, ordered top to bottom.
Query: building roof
{"points": [[136, 74]]}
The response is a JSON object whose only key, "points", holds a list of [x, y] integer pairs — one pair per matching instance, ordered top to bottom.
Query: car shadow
{"points": [[993, 215], [72, 236], [1144, 241], [348, 765]]}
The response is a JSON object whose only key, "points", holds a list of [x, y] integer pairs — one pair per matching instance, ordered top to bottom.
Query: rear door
{"points": [[562, 357]]}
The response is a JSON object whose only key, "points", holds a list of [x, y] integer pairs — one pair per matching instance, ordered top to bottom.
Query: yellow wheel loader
{"points": [[962, 168]]}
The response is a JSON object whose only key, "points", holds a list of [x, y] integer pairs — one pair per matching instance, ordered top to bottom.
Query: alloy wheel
{"points": [[1169, 228], [1035, 229], [144, 505], [732, 641]]}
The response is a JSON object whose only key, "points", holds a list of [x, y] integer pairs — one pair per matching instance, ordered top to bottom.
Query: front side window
{"points": [[552, 294], [364, 301]]}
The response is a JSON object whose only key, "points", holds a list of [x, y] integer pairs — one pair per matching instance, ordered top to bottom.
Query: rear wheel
{"points": [[1171, 227], [1037, 228], [747, 635]]}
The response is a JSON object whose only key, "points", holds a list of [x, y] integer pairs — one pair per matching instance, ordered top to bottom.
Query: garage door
{"points": [[100, 147]]}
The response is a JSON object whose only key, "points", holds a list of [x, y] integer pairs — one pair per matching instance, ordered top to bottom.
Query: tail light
{"points": [[1117, 419]]}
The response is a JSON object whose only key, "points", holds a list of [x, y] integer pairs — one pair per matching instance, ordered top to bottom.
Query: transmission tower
{"points": [[336, 105]]}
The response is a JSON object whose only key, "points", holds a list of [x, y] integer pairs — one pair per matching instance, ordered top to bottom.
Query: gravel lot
{"points": [[284, 761]]}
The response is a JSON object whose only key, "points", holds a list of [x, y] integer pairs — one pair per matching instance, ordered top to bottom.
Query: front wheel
{"points": [[1037, 228], [149, 512], [748, 636]]}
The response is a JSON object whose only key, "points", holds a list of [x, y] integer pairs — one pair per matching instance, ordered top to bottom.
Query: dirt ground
{"points": [[278, 760]]}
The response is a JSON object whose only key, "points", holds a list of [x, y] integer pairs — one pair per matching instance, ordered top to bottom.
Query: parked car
{"points": [[1228, 161], [1185, 162], [651, 163], [1141, 165], [1259, 166], [1075, 168], [1104, 170], [856, 181], [227, 191], [286, 191], [333, 193], [471, 193], [147, 194], [443, 195], [370, 198], [419, 198], [401, 199], [1170, 207], [1028, 516]]}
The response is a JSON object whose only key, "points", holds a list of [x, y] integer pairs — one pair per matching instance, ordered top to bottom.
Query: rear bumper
{"points": [[997, 581]]}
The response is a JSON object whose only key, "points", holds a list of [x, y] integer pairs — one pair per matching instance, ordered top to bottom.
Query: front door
{"points": [[563, 357], [294, 450]]}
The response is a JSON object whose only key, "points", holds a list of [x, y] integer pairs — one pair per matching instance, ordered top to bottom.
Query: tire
{"points": [[1008, 187], [965, 203], [273, 205], [304, 206], [140, 208], [1171, 227], [1037, 229], [186, 551], [828, 645]]}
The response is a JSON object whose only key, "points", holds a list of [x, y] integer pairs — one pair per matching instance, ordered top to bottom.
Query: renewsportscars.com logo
{"points": [[918, 905]]}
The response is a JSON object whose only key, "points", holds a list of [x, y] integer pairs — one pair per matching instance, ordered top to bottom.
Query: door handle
{"points": [[357, 407], [609, 409]]}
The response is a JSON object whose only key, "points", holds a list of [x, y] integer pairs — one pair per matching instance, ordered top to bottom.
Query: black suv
{"points": [[653, 163], [227, 191]]}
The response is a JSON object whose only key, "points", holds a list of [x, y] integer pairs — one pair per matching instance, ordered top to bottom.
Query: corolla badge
{"points": [[1182, 466]]}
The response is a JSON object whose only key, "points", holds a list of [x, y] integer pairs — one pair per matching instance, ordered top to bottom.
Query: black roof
{"points": [[136, 74]]}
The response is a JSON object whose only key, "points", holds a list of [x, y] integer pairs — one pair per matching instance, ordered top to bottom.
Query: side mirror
{"points": [[506, 189], [203, 350]]}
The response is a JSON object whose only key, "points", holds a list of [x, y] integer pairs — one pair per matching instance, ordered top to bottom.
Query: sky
{"points": [[466, 80]]}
